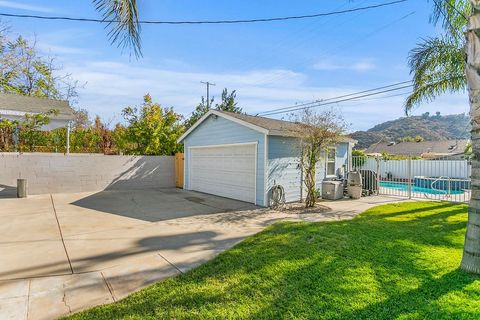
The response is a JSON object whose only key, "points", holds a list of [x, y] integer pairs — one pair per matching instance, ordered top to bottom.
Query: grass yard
{"points": [[397, 261]]}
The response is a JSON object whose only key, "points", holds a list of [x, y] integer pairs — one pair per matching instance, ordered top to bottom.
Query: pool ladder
{"points": [[448, 191]]}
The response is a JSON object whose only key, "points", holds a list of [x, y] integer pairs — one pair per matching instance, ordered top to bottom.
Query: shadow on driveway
{"points": [[159, 204]]}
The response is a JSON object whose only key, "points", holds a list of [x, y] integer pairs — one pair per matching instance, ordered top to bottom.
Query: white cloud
{"points": [[24, 6], [54, 49], [360, 66], [112, 86]]}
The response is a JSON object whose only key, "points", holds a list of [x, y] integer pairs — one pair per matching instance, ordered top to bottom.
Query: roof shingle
{"points": [[26, 104], [274, 126], [442, 147]]}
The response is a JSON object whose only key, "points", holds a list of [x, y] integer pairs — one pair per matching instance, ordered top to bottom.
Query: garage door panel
{"points": [[225, 171]]}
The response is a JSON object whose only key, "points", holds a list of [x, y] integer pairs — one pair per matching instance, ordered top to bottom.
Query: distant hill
{"points": [[429, 127]]}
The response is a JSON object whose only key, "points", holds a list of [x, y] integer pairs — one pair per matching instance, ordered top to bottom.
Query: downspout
{"points": [[266, 173]]}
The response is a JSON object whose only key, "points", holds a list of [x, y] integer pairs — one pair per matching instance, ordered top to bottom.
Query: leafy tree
{"points": [[450, 63], [23, 71], [228, 103], [201, 109], [81, 119], [7, 128], [30, 129], [152, 129], [319, 131], [119, 135], [417, 138], [358, 158]]}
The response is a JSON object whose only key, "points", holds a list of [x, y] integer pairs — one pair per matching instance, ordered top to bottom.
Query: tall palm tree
{"points": [[122, 18], [438, 63], [451, 63]]}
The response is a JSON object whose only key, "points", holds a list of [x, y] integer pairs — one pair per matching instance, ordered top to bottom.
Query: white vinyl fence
{"points": [[444, 179]]}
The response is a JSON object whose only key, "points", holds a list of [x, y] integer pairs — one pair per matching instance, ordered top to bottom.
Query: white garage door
{"points": [[227, 171]]}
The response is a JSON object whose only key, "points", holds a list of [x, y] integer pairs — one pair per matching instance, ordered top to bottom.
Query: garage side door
{"points": [[227, 171]]}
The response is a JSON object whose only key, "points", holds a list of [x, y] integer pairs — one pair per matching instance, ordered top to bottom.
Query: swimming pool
{"points": [[402, 186]]}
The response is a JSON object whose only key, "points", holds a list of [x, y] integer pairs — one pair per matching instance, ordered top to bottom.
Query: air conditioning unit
{"points": [[332, 190]]}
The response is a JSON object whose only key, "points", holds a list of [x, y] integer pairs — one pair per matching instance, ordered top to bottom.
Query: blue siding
{"points": [[217, 131], [283, 155], [341, 160], [283, 165]]}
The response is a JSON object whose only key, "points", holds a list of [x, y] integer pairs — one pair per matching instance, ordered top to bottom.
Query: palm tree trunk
{"points": [[471, 253]]}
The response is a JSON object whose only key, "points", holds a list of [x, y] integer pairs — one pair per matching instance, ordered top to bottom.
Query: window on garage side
{"points": [[331, 155]]}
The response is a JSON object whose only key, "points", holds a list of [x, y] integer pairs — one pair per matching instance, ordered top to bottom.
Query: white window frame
{"points": [[327, 161]]}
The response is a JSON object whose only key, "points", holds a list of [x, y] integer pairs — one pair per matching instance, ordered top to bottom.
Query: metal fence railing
{"points": [[439, 179]]}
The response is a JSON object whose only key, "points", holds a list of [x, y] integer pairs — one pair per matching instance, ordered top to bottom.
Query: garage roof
{"points": [[264, 125]]}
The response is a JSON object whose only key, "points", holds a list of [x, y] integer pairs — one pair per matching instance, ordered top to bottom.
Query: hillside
{"points": [[436, 127]]}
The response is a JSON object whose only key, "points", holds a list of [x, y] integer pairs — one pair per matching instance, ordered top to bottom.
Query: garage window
{"points": [[331, 156]]}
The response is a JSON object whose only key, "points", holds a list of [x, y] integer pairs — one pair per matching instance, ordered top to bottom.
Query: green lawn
{"points": [[395, 261]]}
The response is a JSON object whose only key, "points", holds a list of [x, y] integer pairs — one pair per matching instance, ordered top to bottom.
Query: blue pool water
{"points": [[401, 186]]}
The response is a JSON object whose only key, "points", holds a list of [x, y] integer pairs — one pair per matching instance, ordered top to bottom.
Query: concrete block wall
{"points": [[59, 173]]}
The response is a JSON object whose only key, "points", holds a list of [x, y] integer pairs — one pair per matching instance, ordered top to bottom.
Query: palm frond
{"points": [[452, 15], [122, 18], [437, 66]]}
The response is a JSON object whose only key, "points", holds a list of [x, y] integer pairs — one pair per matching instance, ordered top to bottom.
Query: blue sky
{"points": [[270, 65]]}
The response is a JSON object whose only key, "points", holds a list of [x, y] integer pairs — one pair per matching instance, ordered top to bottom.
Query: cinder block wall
{"points": [[59, 173]]}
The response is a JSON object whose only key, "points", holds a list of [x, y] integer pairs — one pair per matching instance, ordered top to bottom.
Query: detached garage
{"points": [[241, 157]]}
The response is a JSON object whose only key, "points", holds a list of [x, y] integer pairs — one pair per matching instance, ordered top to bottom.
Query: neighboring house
{"points": [[15, 107], [424, 149], [241, 157]]}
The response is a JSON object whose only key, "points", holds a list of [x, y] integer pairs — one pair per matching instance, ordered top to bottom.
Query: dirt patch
{"points": [[299, 208]]}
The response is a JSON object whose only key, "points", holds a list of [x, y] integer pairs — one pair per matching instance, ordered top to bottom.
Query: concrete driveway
{"points": [[65, 252]]}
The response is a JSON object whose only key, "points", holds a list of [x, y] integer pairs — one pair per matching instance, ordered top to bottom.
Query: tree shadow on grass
{"points": [[368, 268]]}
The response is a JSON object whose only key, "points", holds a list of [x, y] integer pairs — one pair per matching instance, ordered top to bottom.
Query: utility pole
{"points": [[208, 84]]}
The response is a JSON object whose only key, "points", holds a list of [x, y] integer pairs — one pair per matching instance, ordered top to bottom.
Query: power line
{"points": [[453, 7], [317, 15], [337, 101], [286, 109]]}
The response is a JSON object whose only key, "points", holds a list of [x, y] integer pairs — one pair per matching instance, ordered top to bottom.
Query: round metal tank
{"points": [[354, 185]]}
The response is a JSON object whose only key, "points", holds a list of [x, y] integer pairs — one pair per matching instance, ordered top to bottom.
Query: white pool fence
{"points": [[442, 179]]}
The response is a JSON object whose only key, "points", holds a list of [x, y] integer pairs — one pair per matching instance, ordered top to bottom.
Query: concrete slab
{"points": [[29, 206], [76, 221], [24, 228], [119, 242], [33, 259], [125, 279], [14, 289], [52, 297], [14, 308]]}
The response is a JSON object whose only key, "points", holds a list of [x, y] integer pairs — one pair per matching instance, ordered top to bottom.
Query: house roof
{"points": [[13, 104], [264, 125], [442, 147]]}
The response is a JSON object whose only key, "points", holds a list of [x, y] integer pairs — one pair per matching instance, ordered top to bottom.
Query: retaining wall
{"points": [[59, 173]]}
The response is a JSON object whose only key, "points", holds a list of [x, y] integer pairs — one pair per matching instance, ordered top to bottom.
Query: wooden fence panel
{"points": [[179, 163]]}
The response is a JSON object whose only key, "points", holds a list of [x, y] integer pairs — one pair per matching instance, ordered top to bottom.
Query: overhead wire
{"points": [[234, 21], [322, 103], [287, 109]]}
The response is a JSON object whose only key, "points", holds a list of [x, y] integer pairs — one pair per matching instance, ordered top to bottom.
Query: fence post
{"points": [[378, 174], [409, 177]]}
